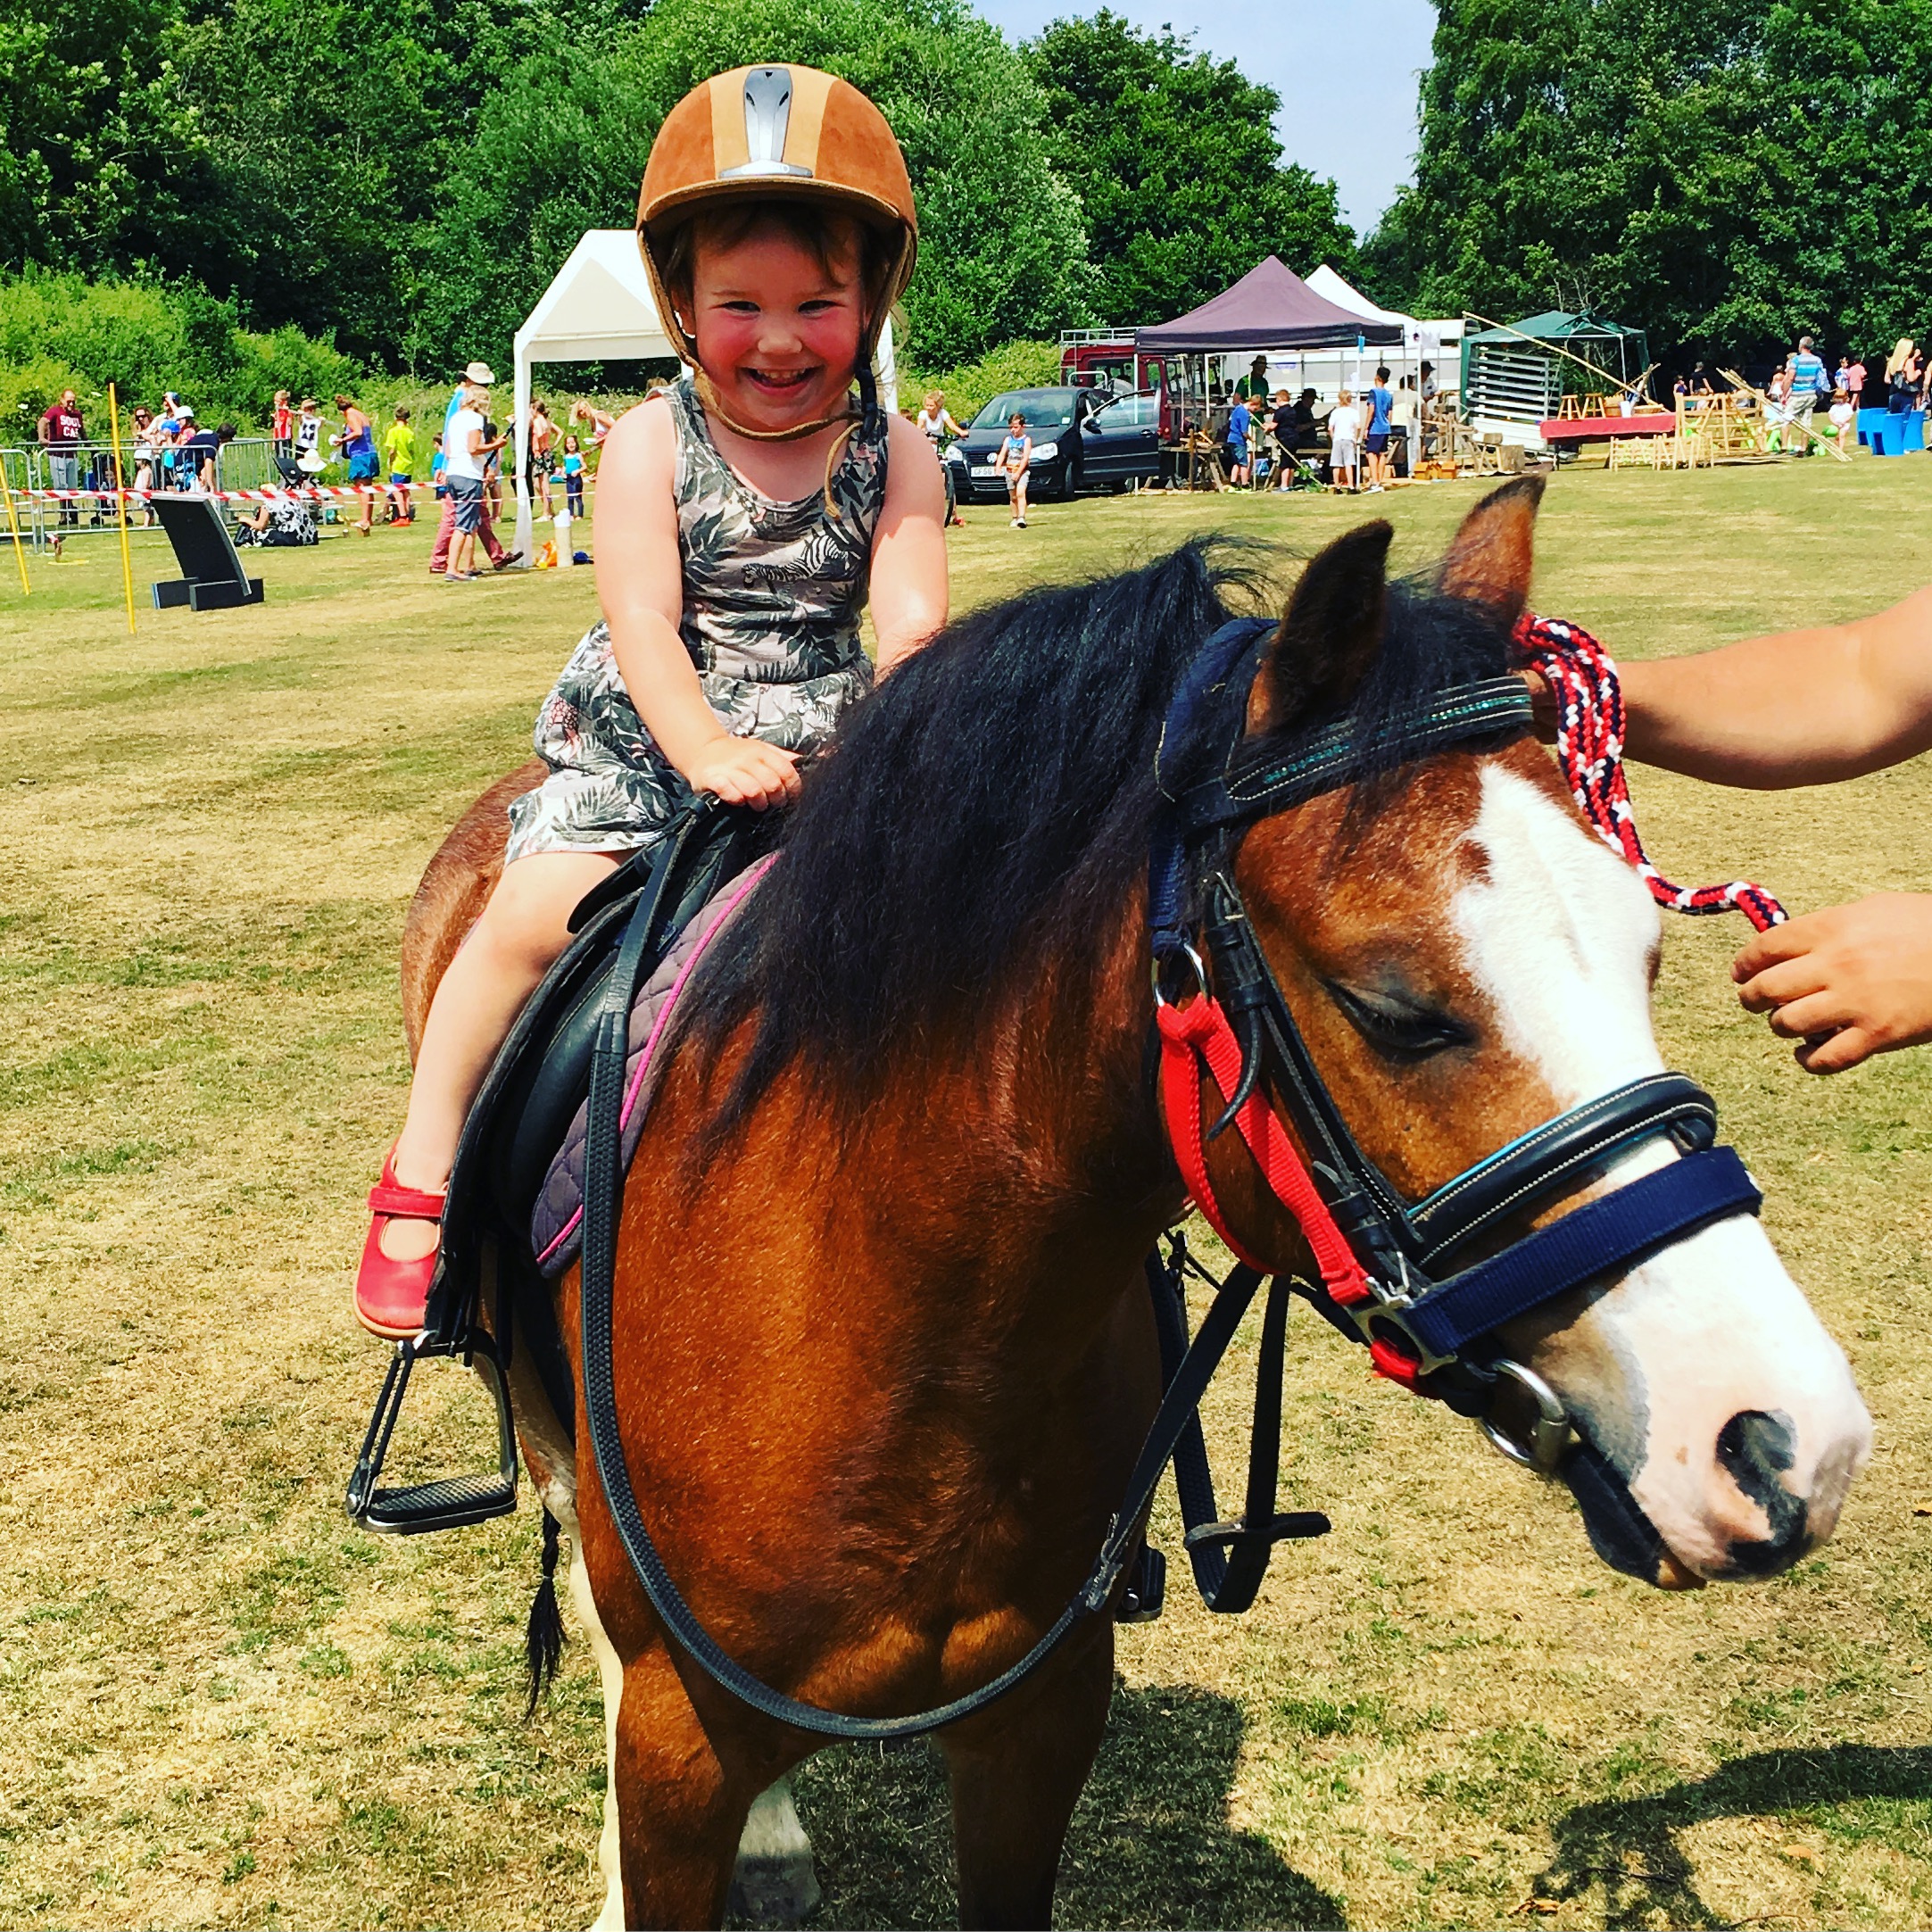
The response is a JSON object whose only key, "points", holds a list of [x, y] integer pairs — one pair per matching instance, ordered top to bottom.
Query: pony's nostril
{"points": [[1756, 1449]]}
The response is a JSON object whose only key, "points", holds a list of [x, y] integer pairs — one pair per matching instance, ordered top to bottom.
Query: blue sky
{"points": [[1345, 69]]}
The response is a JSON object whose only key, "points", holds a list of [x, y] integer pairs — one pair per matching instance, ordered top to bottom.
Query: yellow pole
{"points": [[121, 497], [13, 529]]}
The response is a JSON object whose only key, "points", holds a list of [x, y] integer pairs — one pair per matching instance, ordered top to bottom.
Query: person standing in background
{"points": [[476, 379], [1807, 380], [1381, 404], [1844, 420], [600, 422], [281, 424], [1240, 424], [1404, 425], [1344, 428], [62, 434], [308, 440], [357, 443], [398, 450], [467, 450], [542, 457], [143, 463], [573, 475]]}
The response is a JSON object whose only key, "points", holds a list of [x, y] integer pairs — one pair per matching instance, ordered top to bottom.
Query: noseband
{"points": [[1424, 1285]]}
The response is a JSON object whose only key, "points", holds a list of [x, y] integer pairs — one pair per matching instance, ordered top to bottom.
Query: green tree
{"points": [[560, 148], [100, 168], [1178, 168], [1723, 174]]}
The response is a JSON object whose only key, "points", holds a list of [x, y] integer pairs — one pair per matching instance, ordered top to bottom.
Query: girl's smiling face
{"points": [[777, 329]]}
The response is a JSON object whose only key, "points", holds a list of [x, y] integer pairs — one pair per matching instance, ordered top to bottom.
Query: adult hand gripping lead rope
{"points": [[1589, 749]]}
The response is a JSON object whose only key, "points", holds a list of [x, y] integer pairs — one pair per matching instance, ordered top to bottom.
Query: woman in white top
{"points": [[935, 425], [1344, 434]]}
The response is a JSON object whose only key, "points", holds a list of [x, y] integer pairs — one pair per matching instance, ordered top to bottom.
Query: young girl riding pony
{"points": [[744, 518]]}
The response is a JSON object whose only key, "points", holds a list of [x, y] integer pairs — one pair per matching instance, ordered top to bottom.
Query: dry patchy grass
{"points": [[218, 1703]]}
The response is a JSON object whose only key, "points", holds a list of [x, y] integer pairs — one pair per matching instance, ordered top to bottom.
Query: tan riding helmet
{"points": [[761, 132]]}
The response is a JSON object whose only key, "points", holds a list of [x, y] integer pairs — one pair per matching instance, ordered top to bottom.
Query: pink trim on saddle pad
{"points": [[718, 911]]}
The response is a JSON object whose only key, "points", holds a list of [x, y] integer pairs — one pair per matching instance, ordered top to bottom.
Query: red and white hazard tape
{"points": [[307, 491]]}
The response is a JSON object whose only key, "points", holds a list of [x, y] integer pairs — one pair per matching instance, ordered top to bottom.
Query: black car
{"points": [[1053, 419], [1121, 443]]}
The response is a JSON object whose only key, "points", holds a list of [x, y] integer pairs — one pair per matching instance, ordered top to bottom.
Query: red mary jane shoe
{"points": [[390, 1294]]}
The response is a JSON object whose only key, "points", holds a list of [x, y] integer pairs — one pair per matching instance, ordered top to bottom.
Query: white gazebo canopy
{"points": [[1325, 282], [599, 309]]}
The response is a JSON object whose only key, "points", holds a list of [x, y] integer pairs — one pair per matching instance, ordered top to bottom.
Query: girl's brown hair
{"points": [[830, 236]]}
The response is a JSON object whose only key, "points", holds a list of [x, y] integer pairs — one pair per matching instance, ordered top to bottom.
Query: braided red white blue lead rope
{"points": [[1590, 750]]}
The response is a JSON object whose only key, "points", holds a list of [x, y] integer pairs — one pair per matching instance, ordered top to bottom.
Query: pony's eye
{"points": [[1396, 1029]]}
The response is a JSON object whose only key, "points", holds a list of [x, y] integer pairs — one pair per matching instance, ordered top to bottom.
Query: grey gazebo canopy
{"points": [[1270, 307]]}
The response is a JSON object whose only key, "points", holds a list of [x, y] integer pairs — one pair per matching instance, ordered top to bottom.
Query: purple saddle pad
{"points": [[557, 1221]]}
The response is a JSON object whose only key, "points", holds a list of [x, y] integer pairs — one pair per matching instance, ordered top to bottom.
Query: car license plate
{"points": [[986, 469]]}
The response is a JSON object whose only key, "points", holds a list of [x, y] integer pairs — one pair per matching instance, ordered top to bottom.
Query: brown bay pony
{"points": [[884, 1352]]}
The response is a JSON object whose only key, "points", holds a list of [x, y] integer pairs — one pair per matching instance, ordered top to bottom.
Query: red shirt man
{"points": [[60, 428]]}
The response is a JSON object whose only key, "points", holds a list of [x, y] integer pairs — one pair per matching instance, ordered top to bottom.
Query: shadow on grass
{"points": [[1150, 1843], [1630, 1845]]}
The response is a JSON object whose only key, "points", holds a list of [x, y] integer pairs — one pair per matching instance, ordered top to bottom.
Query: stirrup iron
{"points": [[450, 1502]]}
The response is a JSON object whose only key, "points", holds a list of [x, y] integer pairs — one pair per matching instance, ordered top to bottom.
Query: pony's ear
{"points": [[1491, 558], [1331, 634]]}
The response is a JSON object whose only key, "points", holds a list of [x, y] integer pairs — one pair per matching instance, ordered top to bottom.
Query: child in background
{"points": [[1844, 419], [1240, 425], [283, 426], [1344, 433], [398, 450], [1016, 452], [438, 463], [573, 474], [754, 509]]}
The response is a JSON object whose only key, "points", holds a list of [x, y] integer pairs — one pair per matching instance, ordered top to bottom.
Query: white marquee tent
{"points": [[599, 309]]}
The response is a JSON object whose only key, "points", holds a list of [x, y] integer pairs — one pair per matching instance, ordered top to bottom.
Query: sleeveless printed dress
{"points": [[772, 597]]}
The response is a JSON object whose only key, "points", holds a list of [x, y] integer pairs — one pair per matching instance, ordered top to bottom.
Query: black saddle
{"points": [[540, 1078]]}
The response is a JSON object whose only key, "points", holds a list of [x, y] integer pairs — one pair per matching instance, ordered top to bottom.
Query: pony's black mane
{"points": [[991, 805]]}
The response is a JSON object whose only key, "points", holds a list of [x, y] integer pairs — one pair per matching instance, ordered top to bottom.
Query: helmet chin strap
{"points": [[851, 418]]}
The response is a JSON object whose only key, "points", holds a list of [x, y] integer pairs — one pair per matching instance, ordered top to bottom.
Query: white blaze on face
{"points": [[1559, 933]]}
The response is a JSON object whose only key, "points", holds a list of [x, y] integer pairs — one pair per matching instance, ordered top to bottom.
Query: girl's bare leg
{"points": [[522, 930]]}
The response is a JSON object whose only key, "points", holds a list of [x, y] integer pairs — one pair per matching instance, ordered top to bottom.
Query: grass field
{"points": [[222, 1704]]}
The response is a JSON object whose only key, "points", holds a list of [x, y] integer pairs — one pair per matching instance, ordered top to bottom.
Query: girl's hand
{"points": [[744, 771], [1847, 983]]}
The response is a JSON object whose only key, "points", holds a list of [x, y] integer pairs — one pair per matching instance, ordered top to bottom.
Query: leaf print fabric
{"points": [[772, 597]]}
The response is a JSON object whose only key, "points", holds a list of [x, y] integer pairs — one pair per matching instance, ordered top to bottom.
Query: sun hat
{"points": [[760, 133], [480, 372]]}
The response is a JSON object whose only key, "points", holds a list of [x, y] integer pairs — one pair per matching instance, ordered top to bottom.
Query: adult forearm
{"points": [[1803, 708]]}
